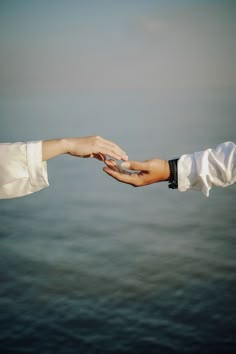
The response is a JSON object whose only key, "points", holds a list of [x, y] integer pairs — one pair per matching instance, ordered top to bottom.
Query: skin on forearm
{"points": [[53, 148], [166, 170]]}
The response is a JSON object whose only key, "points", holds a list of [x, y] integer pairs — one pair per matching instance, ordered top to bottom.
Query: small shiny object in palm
{"points": [[113, 165]]}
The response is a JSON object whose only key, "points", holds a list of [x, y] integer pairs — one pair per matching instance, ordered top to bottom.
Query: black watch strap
{"points": [[173, 179]]}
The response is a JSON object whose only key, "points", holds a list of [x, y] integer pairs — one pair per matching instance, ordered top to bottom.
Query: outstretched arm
{"points": [[91, 146], [23, 167], [199, 171]]}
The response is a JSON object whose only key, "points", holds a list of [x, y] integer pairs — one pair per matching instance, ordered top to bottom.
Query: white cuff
{"points": [[212, 167], [37, 168], [193, 173]]}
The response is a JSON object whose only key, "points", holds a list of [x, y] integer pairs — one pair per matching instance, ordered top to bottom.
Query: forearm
{"points": [[53, 148]]}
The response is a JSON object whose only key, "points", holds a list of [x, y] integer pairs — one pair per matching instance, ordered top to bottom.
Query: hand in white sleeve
{"points": [[23, 168], [198, 171]]}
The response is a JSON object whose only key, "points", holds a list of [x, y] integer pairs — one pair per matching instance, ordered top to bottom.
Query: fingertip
{"points": [[110, 163], [108, 170]]}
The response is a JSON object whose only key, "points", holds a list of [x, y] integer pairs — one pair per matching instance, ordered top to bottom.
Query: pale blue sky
{"points": [[73, 45]]}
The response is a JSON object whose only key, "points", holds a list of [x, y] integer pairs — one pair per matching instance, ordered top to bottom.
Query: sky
{"points": [[97, 45]]}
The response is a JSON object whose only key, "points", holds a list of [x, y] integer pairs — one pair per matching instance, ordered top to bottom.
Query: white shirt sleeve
{"points": [[213, 167], [22, 170]]}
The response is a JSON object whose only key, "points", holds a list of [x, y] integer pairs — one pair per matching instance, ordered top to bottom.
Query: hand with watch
{"points": [[140, 174]]}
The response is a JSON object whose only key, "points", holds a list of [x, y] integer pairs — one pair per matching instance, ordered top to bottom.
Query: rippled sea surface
{"points": [[89, 265]]}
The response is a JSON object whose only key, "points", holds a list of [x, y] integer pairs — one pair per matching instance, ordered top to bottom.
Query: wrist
{"points": [[65, 145], [53, 148], [166, 171]]}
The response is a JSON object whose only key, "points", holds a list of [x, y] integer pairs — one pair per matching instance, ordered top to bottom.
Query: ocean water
{"points": [[89, 265]]}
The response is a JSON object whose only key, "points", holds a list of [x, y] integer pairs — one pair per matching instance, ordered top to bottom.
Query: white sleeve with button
{"points": [[213, 167], [22, 170]]}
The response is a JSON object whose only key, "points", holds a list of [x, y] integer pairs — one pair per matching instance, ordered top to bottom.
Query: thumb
{"points": [[135, 165]]}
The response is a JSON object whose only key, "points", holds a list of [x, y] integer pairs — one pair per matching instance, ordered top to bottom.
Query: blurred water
{"points": [[92, 266]]}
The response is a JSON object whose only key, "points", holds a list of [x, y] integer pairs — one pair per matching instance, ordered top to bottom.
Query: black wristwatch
{"points": [[173, 179]]}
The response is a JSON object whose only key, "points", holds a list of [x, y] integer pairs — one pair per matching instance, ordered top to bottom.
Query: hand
{"points": [[91, 146], [95, 146], [147, 172]]}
